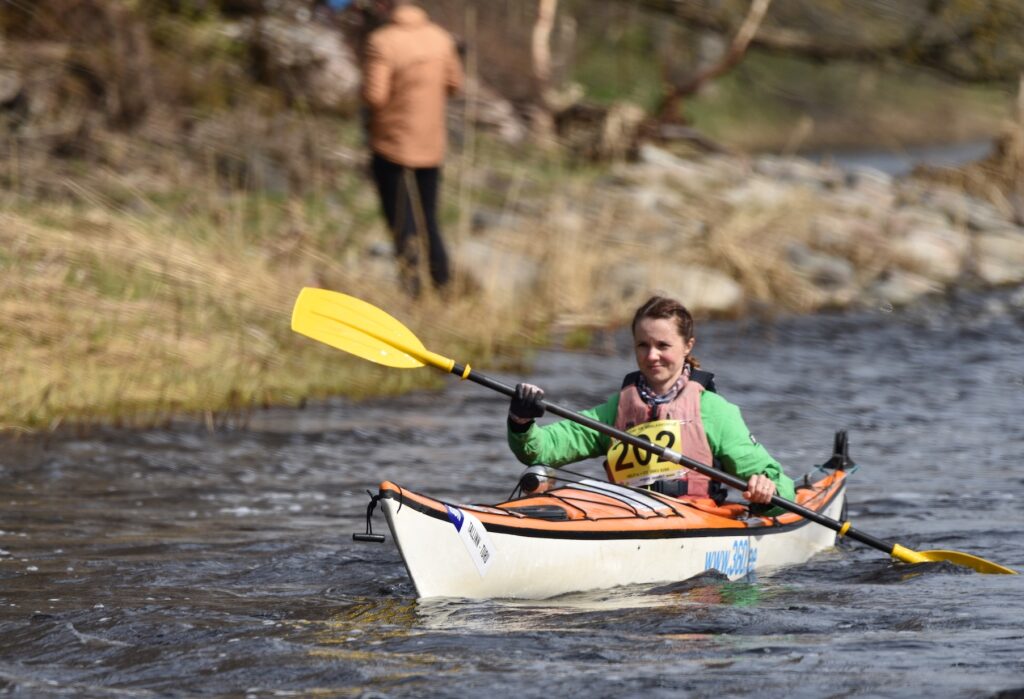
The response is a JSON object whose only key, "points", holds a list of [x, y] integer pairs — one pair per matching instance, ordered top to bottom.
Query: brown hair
{"points": [[662, 307]]}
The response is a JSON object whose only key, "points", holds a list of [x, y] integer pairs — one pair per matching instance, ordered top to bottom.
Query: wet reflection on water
{"points": [[185, 563]]}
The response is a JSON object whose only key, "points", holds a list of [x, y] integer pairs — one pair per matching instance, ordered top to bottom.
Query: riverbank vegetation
{"points": [[150, 252], [129, 302], [139, 306]]}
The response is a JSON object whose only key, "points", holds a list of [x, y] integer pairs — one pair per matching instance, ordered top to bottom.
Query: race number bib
{"points": [[632, 465]]}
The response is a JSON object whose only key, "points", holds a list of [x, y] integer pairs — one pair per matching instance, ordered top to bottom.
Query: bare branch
{"points": [[540, 40], [963, 51], [732, 57]]}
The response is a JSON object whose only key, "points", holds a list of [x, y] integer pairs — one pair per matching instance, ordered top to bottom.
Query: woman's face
{"points": [[660, 351]]}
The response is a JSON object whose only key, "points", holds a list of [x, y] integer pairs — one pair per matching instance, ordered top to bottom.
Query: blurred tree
{"points": [[975, 41], [661, 52], [108, 57], [668, 110]]}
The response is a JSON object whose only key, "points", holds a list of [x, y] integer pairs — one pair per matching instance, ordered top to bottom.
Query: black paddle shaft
{"points": [[660, 451]]}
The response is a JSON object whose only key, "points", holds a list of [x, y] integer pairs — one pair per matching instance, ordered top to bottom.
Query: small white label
{"points": [[475, 538]]}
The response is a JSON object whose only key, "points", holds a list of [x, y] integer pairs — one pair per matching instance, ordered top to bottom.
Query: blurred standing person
{"points": [[411, 67]]}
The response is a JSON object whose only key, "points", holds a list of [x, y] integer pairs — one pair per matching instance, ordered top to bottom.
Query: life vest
{"points": [[684, 411]]}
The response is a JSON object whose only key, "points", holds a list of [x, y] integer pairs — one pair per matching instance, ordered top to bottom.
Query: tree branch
{"points": [[913, 46], [737, 49]]}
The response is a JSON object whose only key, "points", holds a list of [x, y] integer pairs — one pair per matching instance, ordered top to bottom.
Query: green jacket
{"points": [[731, 443]]}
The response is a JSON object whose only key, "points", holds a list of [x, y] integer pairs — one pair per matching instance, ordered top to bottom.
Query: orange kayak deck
{"points": [[600, 508]]}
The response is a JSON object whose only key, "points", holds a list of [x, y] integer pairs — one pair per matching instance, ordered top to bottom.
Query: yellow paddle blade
{"points": [[356, 327], [956, 557], [968, 561]]}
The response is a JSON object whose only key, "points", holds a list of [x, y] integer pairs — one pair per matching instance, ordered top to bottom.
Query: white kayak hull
{"points": [[543, 564]]}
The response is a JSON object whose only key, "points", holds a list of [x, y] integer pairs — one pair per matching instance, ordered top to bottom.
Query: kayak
{"points": [[561, 534], [581, 539]]}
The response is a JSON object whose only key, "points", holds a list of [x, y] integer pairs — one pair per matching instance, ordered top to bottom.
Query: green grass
{"points": [[620, 67], [846, 105]]}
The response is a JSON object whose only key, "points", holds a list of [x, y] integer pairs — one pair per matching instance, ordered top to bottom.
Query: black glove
{"points": [[527, 404]]}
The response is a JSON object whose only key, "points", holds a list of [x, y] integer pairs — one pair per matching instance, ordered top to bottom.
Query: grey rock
{"points": [[309, 62], [11, 86], [798, 170], [863, 177], [760, 192], [906, 218], [845, 235], [935, 253], [999, 256], [500, 272], [828, 272], [700, 288], [901, 288]]}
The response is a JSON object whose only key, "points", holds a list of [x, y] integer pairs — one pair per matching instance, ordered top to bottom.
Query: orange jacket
{"points": [[411, 68]]}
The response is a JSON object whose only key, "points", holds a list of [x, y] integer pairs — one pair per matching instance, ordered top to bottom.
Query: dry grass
{"points": [[751, 244], [133, 300], [136, 313], [104, 322]]}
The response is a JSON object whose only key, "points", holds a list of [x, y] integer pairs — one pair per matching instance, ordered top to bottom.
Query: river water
{"points": [[902, 162], [188, 563]]}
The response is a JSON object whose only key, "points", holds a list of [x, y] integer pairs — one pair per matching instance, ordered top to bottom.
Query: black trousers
{"points": [[408, 197]]}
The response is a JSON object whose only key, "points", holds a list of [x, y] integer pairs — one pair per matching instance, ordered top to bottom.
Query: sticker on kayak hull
{"points": [[474, 537], [740, 560]]}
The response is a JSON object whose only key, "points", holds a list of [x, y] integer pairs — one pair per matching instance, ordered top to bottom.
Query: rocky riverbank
{"points": [[728, 234]]}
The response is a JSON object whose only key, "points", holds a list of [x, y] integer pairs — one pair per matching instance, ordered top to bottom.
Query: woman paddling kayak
{"points": [[359, 328], [670, 401]]}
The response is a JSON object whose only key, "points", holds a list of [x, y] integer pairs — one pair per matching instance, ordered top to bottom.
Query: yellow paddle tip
{"points": [[360, 328], [955, 557]]}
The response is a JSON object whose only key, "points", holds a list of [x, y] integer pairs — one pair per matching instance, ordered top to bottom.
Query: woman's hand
{"points": [[527, 404], [760, 489]]}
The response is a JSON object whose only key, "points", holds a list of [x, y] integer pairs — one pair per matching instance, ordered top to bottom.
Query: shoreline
{"points": [[902, 162], [998, 303], [132, 306]]}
